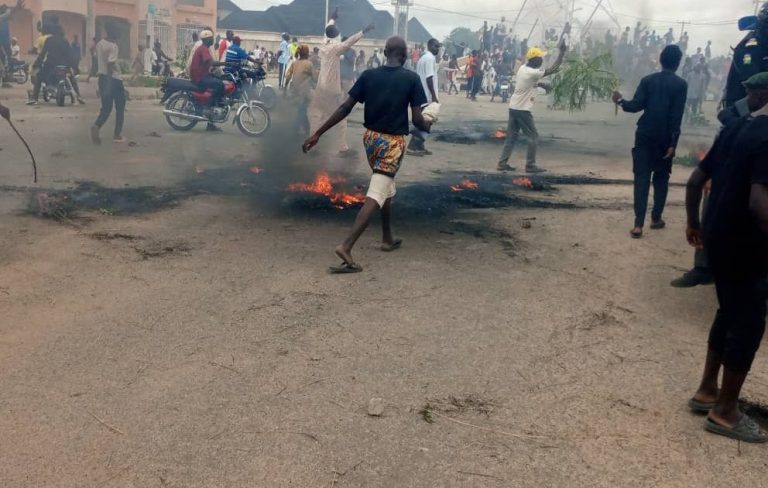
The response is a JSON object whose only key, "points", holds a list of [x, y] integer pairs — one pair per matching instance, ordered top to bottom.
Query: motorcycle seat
{"points": [[180, 84]]}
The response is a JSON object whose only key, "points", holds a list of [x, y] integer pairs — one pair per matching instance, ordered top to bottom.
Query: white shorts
{"points": [[381, 188]]}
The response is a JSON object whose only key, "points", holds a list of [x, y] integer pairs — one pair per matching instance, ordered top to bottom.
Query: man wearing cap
{"points": [[236, 55], [750, 57], [426, 68], [200, 71], [328, 93], [661, 97], [521, 104], [735, 236]]}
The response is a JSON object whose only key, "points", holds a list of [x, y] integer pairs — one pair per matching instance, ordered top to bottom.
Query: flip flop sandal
{"points": [[636, 235], [392, 247], [346, 268], [701, 407], [745, 430]]}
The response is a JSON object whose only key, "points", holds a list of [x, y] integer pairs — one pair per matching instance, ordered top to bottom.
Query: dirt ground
{"points": [[201, 342]]}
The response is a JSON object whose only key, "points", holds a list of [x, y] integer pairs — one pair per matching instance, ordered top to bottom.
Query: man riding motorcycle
{"points": [[56, 52], [160, 58], [200, 71]]}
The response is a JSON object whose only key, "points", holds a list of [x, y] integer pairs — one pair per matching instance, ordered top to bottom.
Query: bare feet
{"points": [[389, 245], [345, 255], [726, 419]]}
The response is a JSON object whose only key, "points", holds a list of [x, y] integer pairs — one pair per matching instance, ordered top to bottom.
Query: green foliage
{"points": [[465, 35], [582, 78], [145, 81]]}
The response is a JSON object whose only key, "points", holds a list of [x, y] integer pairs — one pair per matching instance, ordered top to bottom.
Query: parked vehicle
{"points": [[20, 72], [503, 88]]}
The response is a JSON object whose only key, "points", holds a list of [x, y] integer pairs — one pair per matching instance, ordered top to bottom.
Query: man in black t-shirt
{"points": [[386, 92], [735, 236]]}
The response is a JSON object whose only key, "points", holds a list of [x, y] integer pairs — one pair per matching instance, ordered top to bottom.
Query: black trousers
{"points": [[216, 85], [112, 93], [649, 166], [739, 324]]}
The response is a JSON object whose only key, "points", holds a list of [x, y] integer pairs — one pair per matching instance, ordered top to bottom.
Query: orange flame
{"points": [[500, 134], [700, 154], [523, 181], [323, 185], [465, 185]]}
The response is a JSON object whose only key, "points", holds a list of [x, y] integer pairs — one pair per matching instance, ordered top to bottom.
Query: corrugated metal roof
{"points": [[305, 18]]}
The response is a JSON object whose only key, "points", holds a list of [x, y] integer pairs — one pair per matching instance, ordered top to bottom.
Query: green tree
{"points": [[465, 35]]}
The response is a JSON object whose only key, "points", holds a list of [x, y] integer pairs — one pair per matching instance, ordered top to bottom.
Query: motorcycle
{"points": [[163, 68], [20, 72], [59, 88], [503, 88], [258, 89], [186, 104]]}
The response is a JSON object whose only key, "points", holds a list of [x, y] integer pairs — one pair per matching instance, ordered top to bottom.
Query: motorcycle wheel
{"points": [[20, 77], [60, 96], [268, 97], [180, 102], [253, 121]]}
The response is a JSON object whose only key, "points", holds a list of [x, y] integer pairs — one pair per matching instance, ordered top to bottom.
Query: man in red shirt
{"points": [[224, 44], [200, 71]]}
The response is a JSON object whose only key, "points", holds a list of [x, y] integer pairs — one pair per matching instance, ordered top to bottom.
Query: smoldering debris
{"points": [[442, 195], [93, 197]]}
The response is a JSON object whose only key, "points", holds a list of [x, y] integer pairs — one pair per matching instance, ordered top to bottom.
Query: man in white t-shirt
{"points": [[426, 68], [521, 104]]}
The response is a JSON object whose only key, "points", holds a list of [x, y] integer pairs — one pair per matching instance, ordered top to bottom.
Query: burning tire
{"points": [[180, 102], [252, 120]]}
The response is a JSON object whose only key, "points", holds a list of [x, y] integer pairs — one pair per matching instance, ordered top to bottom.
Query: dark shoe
{"points": [[32, 102], [213, 128], [95, 138], [415, 152], [427, 152], [505, 167], [534, 169], [658, 224], [636, 233], [694, 277], [745, 430]]}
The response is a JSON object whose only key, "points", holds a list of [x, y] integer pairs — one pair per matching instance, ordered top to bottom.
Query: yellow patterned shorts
{"points": [[385, 152]]}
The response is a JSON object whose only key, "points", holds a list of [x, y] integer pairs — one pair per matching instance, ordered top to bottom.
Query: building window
{"points": [[194, 3], [162, 34], [184, 38]]}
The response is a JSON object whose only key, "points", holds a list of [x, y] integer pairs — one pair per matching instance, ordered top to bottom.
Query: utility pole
{"points": [[327, 6], [402, 10], [514, 24], [588, 24], [532, 29]]}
